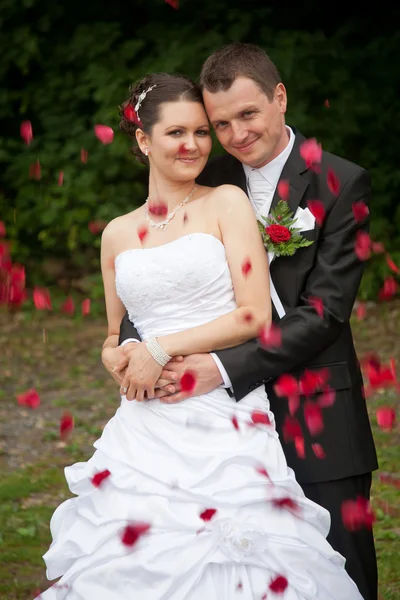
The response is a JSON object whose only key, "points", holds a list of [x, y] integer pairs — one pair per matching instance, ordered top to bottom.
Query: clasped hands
{"points": [[133, 367]]}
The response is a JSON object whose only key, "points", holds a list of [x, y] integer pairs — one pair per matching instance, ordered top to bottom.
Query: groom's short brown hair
{"points": [[239, 60]]}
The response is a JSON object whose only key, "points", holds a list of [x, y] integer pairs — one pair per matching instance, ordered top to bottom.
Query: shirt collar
{"points": [[272, 170]]}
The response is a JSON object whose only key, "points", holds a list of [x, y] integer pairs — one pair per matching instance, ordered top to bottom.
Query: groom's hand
{"points": [[205, 370]]}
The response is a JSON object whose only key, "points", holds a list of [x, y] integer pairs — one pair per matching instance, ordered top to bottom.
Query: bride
{"points": [[194, 500]]}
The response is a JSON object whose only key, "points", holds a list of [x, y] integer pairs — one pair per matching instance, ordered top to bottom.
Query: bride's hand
{"points": [[141, 374]]}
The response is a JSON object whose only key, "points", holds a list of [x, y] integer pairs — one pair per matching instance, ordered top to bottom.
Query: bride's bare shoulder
{"points": [[228, 194], [120, 225]]}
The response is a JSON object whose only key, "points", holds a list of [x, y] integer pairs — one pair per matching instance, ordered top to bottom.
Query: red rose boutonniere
{"points": [[279, 231]]}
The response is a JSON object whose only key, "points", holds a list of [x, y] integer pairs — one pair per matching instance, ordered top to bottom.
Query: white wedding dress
{"points": [[170, 462]]}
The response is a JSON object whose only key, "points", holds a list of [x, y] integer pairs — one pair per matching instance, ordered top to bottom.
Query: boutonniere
{"points": [[279, 232]]}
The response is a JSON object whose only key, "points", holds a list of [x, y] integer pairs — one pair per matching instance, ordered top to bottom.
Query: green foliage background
{"points": [[66, 68]]}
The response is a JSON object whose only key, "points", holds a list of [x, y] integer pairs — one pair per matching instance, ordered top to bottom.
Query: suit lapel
{"points": [[292, 171]]}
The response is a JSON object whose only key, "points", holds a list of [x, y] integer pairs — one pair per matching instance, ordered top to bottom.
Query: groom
{"points": [[246, 104]]}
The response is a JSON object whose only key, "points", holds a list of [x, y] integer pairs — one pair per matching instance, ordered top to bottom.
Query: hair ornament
{"points": [[141, 98]]}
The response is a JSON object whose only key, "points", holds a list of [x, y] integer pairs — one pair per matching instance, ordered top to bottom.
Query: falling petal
{"points": [[173, 3], [327, 103], [131, 115], [26, 132], [104, 133], [182, 150], [311, 152], [84, 156], [35, 171], [60, 178], [333, 182], [283, 189], [159, 209], [317, 209], [360, 211], [185, 219], [96, 227], [2, 229], [142, 232], [363, 245], [377, 247], [389, 262], [246, 267], [389, 289], [41, 299], [318, 304], [69, 306], [86, 307], [361, 311], [270, 337], [188, 381], [313, 381], [286, 385], [29, 398], [327, 398], [293, 404], [260, 418], [386, 418], [235, 422], [66, 425], [291, 429], [299, 445], [318, 451], [262, 471], [99, 477], [287, 503], [208, 514], [357, 514], [133, 532], [278, 585]]}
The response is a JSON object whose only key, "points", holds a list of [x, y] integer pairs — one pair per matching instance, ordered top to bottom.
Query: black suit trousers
{"points": [[357, 547]]}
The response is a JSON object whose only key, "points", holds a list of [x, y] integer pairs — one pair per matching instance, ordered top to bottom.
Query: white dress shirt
{"points": [[262, 182]]}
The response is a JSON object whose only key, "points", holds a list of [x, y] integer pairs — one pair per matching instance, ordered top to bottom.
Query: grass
{"points": [[62, 361]]}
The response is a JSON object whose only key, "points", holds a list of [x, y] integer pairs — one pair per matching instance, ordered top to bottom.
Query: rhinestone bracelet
{"points": [[157, 352]]}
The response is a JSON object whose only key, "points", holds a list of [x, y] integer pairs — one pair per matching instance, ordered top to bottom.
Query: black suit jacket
{"points": [[328, 269]]}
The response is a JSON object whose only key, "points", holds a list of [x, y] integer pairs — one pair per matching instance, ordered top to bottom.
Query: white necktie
{"points": [[261, 192]]}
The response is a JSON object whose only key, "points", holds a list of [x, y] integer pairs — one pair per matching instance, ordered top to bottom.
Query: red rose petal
{"points": [[173, 3], [326, 103], [131, 115], [26, 132], [104, 134], [311, 152], [84, 156], [35, 171], [60, 178], [333, 182], [283, 189], [158, 208], [317, 209], [360, 211], [96, 227], [2, 229], [142, 232], [363, 245], [377, 247], [389, 262], [246, 267], [389, 289], [41, 298], [318, 304], [69, 306], [85, 307], [361, 311], [270, 337], [188, 381], [313, 381], [286, 385], [29, 398], [327, 398], [293, 404], [313, 417], [386, 417], [260, 418], [235, 422], [66, 425], [291, 429], [299, 445], [318, 451], [262, 471], [99, 477], [286, 503], [208, 514], [357, 514], [133, 532], [279, 584]]}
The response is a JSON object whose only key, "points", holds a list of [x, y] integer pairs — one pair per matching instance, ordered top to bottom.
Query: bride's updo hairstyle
{"points": [[151, 92]]}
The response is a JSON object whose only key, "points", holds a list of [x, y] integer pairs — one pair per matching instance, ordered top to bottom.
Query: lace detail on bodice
{"points": [[175, 286]]}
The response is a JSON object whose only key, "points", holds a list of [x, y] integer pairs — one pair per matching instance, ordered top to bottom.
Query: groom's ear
{"points": [[280, 97]]}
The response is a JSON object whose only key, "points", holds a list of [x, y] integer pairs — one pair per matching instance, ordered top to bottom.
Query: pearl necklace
{"points": [[163, 224]]}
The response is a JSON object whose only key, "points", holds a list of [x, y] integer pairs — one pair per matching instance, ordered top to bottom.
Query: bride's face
{"points": [[180, 142]]}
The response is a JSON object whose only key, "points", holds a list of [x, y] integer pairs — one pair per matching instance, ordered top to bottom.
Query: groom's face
{"points": [[248, 125]]}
